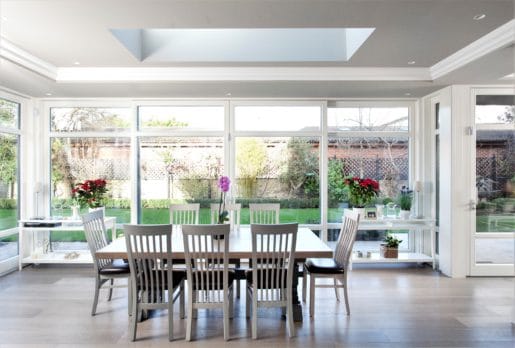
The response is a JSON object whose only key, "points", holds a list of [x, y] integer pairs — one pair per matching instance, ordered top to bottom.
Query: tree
{"points": [[251, 161], [301, 170], [335, 176]]}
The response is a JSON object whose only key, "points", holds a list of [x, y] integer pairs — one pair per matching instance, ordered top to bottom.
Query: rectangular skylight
{"points": [[243, 45]]}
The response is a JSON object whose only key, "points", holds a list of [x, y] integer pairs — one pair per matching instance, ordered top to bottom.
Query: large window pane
{"points": [[9, 114], [182, 117], [277, 118], [82, 119], [368, 119], [78, 159], [384, 159], [495, 163], [178, 170], [283, 170], [8, 181]]}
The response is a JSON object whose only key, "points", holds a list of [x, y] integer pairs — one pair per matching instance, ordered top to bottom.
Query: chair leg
{"points": [[312, 278], [304, 285], [237, 288], [336, 289], [110, 290], [129, 295], [345, 295], [182, 296], [95, 298], [228, 298], [247, 303], [231, 304], [195, 311], [170, 315], [254, 316], [189, 317], [289, 317], [133, 320]]}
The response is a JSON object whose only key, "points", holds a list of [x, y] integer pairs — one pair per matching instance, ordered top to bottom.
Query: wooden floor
{"points": [[49, 306]]}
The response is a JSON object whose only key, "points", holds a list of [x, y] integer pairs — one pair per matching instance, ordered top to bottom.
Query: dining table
{"points": [[309, 245]]}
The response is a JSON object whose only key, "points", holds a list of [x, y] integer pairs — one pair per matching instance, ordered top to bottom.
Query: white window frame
{"points": [[11, 263]]}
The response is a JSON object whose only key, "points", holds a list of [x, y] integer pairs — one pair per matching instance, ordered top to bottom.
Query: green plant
{"points": [[361, 191], [337, 192], [90, 193], [405, 198], [387, 200], [392, 241]]}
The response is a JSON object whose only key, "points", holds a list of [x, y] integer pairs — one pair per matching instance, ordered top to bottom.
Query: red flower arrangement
{"points": [[361, 191], [90, 193]]}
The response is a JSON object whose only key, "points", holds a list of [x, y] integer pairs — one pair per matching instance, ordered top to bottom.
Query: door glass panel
{"points": [[495, 165], [495, 178]]}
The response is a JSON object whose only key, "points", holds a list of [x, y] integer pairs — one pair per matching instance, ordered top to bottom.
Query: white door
{"points": [[493, 197]]}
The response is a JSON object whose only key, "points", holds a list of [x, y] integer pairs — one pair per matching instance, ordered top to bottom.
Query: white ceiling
{"points": [[63, 32]]}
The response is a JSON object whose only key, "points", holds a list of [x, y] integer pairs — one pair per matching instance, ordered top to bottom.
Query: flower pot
{"points": [[97, 208], [360, 211], [75, 212], [405, 214], [389, 253]]}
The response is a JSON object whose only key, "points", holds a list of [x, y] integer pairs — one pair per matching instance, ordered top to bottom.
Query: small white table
{"points": [[417, 225], [31, 252]]}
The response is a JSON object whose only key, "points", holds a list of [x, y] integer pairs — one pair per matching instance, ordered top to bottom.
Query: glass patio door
{"points": [[493, 203]]}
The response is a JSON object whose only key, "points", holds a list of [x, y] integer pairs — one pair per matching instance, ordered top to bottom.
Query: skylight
{"points": [[243, 45]]}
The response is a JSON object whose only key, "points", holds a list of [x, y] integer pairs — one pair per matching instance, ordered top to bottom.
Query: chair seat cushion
{"points": [[323, 265], [117, 266], [211, 280], [273, 281]]}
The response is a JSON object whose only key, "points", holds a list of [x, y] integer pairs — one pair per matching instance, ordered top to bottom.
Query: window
{"points": [[369, 142], [83, 148], [181, 156], [282, 168], [178, 170], [9, 173]]}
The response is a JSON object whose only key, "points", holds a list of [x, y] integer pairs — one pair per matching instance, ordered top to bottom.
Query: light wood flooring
{"points": [[392, 306]]}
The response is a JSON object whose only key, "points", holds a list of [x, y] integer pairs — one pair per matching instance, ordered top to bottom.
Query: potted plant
{"points": [[361, 192], [90, 193], [405, 199], [390, 247]]}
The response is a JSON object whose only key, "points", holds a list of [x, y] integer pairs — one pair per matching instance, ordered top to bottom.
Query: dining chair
{"points": [[234, 210], [184, 213], [264, 213], [336, 268], [106, 270], [209, 279], [269, 282], [154, 284]]}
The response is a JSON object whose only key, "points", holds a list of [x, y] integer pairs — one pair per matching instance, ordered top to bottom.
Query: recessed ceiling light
{"points": [[479, 17], [411, 62], [76, 63], [48, 94], [228, 94], [407, 94]]}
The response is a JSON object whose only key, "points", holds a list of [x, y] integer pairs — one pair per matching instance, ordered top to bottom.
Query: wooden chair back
{"points": [[234, 210], [264, 213], [181, 214], [346, 238]]}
